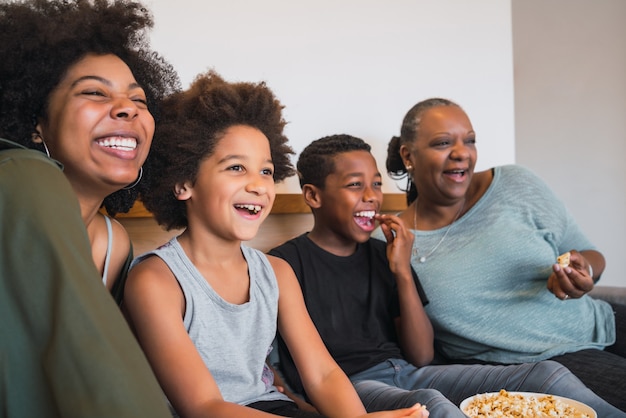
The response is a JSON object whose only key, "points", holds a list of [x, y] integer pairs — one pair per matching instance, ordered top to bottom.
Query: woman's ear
{"points": [[37, 136], [405, 154], [182, 191], [312, 196]]}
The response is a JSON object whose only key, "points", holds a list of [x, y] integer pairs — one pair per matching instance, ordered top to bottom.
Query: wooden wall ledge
{"points": [[286, 203]]}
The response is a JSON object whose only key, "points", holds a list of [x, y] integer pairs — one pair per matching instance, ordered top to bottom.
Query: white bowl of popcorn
{"points": [[505, 404]]}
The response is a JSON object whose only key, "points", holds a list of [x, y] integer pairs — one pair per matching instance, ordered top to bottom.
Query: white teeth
{"points": [[126, 144], [251, 208], [366, 214]]}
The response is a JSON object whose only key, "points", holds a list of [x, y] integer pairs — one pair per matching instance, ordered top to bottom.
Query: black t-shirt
{"points": [[353, 302]]}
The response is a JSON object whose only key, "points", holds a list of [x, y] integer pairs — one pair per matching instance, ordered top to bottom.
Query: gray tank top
{"points": [[233, 340]]}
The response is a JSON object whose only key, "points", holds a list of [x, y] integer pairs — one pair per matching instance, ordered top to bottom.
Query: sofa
{"points": [[612, 294]]}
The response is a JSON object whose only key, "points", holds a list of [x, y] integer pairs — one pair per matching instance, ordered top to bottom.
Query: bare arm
{"points": [[155, 304], [414, 328], [326, 384], [282, 387]]}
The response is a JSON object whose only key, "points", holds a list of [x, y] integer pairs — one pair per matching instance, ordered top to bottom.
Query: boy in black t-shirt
{"points": [[353, 294], [367, 303]]}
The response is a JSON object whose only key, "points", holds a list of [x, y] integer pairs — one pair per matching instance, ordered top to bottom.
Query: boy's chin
{"points": [[367, 229], [248, 235], [362, 237]]}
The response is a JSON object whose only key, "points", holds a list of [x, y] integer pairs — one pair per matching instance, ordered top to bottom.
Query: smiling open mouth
{"points": [[124, 144], [457, 172], [252, 209], [365, 218]]}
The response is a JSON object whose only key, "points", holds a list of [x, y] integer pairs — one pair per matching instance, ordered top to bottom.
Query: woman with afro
{"points": [[79, 86]]}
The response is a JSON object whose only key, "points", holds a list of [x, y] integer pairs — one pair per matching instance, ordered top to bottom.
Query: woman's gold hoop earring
{"points": [[136, 182]]}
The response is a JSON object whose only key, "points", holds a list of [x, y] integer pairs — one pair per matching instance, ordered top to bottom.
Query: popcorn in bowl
{"points": [[523, 405]]}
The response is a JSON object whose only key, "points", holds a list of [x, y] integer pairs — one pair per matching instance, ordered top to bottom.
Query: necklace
{"points": [[423, 258]]}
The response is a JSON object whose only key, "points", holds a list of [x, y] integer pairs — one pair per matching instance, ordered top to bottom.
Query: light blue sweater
{"points": [[486, 282]]}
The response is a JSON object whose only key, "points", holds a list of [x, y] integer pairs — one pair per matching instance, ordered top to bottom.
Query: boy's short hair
{"points": [[316, 162]]}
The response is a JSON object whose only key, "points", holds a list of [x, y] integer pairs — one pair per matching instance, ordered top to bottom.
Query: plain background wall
{"points": [[354, 66], [570, 111]]}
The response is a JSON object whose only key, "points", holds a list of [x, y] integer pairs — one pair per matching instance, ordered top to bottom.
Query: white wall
{"points": [[354, 66], [570, 112]]}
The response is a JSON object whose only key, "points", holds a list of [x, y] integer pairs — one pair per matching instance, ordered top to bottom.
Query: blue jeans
{"points": [[397, 384]]}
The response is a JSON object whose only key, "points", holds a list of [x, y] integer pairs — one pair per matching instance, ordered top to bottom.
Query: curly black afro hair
{"points": [[41, 39], [193, 123]]}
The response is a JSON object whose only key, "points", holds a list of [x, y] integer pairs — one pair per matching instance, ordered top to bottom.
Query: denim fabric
{"points": [[457, 382], [379, 396]]}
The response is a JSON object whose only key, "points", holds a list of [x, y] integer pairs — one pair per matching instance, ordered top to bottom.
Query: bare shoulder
{"points": [[121, 240], [120, 248], [279, 265], [152, 270], [285, 275], [152, 279], [288, 285], [152, 295]]}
